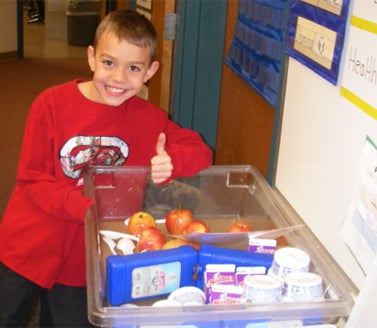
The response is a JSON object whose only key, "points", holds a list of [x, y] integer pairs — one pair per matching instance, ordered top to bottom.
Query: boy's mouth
{"points": [[114, 89]]}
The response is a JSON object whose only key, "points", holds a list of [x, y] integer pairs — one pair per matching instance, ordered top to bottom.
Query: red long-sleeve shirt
{"points": [[42, 230]]}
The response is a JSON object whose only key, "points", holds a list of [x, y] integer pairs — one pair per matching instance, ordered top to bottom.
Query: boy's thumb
{"points": [[160, 146]]}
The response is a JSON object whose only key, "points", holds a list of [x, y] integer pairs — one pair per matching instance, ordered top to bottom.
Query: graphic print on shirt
{"points": [[81, 151]]}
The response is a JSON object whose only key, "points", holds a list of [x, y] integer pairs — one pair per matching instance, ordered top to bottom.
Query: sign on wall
{"points": [[316, 33], [359, 83], [360, 226]]}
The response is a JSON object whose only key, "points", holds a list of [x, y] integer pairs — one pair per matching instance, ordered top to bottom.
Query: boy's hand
{"points": [[162, 167]]}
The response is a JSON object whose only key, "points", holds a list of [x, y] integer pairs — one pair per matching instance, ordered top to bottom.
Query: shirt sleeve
{"points": [[38, 175]]}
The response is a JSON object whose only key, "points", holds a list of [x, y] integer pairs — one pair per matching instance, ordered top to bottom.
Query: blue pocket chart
{"points": [[316, 33], [257, 48]]}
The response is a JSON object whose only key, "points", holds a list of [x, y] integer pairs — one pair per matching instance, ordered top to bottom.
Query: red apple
{"points": [[177, 220], [139, 221], [195, 226], [239, 227], [150, 239], [281, 241]]}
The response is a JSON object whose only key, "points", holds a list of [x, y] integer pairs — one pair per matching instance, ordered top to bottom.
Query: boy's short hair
{"points": [[131, 26]]}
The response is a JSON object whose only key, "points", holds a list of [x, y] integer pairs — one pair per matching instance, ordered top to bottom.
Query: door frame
{"points": [[20, 29]]}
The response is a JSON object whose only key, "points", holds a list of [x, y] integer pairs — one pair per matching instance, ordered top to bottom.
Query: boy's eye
{"points": [[107, 62], [134, 68]]}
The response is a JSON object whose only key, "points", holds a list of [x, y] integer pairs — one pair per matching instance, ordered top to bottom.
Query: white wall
{"points": [[8, 26], [322, 138]]}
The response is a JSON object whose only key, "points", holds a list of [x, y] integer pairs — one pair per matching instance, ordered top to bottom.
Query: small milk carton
{"points": [[259, 245], [218, 274]]}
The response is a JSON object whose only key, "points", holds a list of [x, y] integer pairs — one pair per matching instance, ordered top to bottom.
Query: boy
{"points": [[70, 126]]}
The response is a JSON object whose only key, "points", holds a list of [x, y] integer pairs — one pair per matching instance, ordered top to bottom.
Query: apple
{"points": [[177, 220], [139, 221], [195, 226], [239, 227], [150, 239], [281, 241], [177, 242], [174, 243]]}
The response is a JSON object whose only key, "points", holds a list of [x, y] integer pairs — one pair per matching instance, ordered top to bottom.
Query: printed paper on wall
{"points": [[332, 6], [315, 42], [359, 83], [360, 226]]}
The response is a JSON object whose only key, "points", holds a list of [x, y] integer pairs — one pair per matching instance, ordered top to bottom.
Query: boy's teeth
{"points": [[112, 89]]}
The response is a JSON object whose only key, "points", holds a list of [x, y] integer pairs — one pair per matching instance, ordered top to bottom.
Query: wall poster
{"points": [[316, 33], [258, 45], [359, 83], [359, 230]]}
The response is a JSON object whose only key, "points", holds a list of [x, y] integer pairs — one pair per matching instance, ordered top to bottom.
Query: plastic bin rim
{"points": [[247, 168]]}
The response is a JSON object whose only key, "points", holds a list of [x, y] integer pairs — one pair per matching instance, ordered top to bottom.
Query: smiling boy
{"points": [[70, 126]]}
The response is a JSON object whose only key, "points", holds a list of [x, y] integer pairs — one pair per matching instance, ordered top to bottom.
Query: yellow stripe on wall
{"points": [[364, 24], [370, 110]]}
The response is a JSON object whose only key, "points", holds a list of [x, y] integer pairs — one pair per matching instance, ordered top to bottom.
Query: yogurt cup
{"points": [[289, 260], [303, 286], [262, 289], [188, 296], [166, 303], [130, 305]]}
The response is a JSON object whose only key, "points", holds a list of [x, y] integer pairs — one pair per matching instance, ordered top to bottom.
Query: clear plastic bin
{"points": [[219, 195]]}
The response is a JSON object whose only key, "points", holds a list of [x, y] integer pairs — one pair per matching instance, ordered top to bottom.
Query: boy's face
{"points": [[120, 69]]}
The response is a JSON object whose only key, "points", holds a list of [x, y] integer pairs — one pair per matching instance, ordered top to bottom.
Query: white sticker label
{"points": [[156, 279]]}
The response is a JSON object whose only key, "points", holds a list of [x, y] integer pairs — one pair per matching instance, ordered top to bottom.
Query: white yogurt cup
{"points": [[289, 260], [303, 286], [262, 289], [188, 296], [166, 303]]}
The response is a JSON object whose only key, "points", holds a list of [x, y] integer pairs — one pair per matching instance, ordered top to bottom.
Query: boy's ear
{"points": [[91, 58], [153, 68]]}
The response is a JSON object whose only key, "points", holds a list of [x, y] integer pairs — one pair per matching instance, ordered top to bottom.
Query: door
{"points": [[198, 66], [188, 82]]}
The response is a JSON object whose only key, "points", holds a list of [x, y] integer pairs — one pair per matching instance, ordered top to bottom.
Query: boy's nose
{"points": [[120, 75]]}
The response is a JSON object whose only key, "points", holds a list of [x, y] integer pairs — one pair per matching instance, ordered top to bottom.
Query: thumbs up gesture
{"points": [[162, 167]]}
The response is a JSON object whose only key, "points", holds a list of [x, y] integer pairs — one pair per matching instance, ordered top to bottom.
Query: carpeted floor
{"points": [[20, 82]]}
